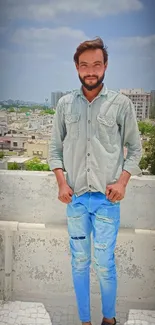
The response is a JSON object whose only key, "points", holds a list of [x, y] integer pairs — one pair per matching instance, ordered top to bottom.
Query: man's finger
{"points": [[108, 189], [112, 194], [68, 197], [121, 197], [115, 198], [118, 198], [64, 200]]}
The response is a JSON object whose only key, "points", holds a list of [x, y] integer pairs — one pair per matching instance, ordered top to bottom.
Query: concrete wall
{"points": [[3, 164], [32, 197], [34, 254], [2, 261], [37, 264]]}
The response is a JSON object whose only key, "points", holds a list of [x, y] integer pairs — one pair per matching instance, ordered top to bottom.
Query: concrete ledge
{"points": [[31, 197], [13, 225], [16, 226], [31, 226], [145, 231]]}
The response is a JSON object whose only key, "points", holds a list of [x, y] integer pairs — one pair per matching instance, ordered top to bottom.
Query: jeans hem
{"points": [[109, 316], [86, 320]]}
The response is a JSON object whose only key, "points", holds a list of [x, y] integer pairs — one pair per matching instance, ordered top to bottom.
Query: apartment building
{"points": [[55, 96], [141, 101], [3, 124], [13, 142], [36, 148]]}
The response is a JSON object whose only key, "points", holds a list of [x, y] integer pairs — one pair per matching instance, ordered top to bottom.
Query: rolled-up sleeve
{"points": [[131, 140], [55, 155]]}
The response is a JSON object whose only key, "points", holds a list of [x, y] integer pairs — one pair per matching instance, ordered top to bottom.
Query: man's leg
{"points": [[106, 221], [79, 228]]}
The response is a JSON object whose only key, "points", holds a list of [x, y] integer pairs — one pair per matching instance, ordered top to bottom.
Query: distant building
{"points": [[55, 96], [152, 97], [141, 101], [152, 109], [3, 124], [13, 142], [5, 143], [36, 148]]}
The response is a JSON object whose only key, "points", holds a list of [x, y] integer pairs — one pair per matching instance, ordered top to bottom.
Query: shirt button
{"points": [[89, 121], [88, 139], [88, 154], [88, 170], [90, 186]]}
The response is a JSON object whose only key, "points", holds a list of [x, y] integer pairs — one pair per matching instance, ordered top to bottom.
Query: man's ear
{"points": [[106, 65], [77, 67]]}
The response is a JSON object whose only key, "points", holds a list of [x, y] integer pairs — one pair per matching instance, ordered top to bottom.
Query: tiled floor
{"points": [[62, 310], [23, 313]]}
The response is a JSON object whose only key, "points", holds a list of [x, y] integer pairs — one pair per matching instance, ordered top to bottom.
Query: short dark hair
{"points": [[91, 45]]}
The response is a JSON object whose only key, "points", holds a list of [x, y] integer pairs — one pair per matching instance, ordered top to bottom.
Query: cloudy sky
{"points": [[39, 37]]}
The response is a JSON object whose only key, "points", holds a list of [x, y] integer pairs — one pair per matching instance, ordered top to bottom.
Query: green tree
{"points": [[11, 109], [24, 109], [47, 111], [145, 127], [151, 153], [1, 154], [143, 163], [36, 164], [13, 166]]}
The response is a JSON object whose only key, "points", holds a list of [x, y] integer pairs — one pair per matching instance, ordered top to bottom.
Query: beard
{"points": [[93, 86]]}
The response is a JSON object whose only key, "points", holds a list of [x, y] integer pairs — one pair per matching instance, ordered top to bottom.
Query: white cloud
{"points": [[47, 10], [44, 35], [137, 41], [48, 42], [142, 46], [132, 62]]}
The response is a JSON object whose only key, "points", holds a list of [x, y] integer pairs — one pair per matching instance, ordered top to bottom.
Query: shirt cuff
{"points": [[56, 164], [132, 168]]}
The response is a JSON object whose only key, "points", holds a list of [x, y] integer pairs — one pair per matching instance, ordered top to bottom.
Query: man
{"points": [[91, 128]]}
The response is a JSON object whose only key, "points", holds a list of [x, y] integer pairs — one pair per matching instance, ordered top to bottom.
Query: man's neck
{"points": [[90, 95]]}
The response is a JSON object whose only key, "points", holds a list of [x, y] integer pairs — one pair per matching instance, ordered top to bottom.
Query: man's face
{"points": [[91, 68]]}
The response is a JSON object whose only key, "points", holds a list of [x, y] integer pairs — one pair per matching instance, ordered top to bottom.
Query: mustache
{"points": [[91, 76]]}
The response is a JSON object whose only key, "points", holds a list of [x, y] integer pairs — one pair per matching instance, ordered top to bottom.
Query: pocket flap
{"points": [[72, 118], [106, 120]]}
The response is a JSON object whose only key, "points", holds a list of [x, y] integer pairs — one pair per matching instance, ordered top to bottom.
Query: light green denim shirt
{"points": [[88, 140]]}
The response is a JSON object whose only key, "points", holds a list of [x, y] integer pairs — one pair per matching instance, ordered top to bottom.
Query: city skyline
{"points": [[38, 41]]}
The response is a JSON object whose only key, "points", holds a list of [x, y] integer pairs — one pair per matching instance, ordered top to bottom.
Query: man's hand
{"points": [[115, 192], [65, 193]]}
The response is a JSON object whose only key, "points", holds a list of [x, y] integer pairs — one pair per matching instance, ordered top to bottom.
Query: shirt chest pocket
{"points": [[72, 125], [106, 128]]}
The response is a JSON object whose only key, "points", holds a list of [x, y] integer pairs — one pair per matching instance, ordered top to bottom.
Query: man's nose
{"points": [[91, 70]]}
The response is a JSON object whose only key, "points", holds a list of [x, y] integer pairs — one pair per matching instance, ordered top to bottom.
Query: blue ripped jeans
{"points": [[92, 212]]}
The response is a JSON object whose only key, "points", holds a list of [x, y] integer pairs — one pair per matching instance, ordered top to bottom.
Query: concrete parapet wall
{"points": [[32, 197], [34, 248], [39, 262]]}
